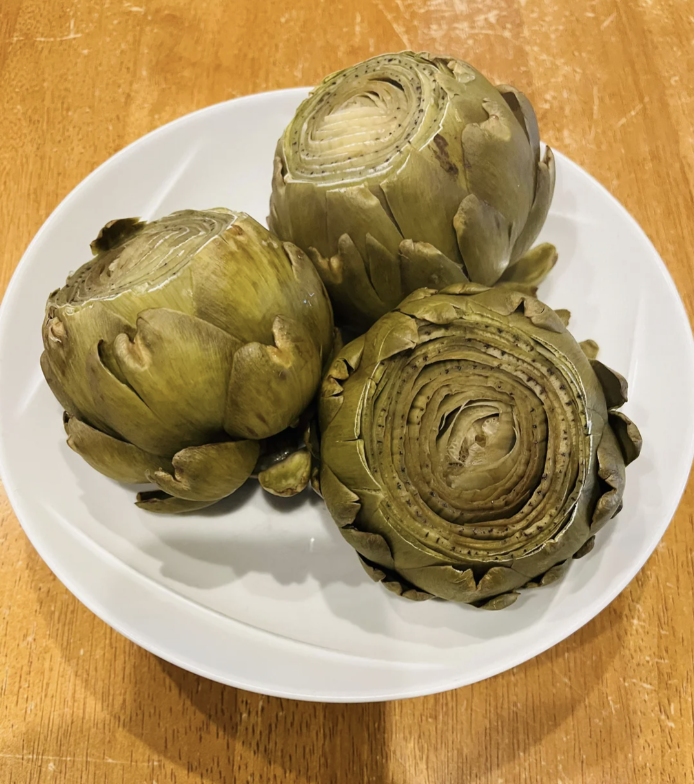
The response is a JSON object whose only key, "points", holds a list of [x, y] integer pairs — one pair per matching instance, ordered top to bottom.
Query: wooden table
{"points": [[613, 84]]}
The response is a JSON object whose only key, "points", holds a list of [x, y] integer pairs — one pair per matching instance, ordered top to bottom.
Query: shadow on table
{"points": [[491, 726], [203, 730], [218, 733], [295, 741]]}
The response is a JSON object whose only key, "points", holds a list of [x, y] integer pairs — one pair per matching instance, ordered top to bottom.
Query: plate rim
{"points": [[128, 628]]}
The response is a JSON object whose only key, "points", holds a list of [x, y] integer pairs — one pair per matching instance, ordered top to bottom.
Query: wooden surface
{"points": [[613, 84]]}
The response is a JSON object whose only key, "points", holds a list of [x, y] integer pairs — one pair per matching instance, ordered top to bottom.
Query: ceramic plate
{"points": [[262, 593]]}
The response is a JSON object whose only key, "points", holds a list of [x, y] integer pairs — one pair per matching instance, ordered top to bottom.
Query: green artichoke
{"points": [[410, 170], [182, 344], [470, 446]]}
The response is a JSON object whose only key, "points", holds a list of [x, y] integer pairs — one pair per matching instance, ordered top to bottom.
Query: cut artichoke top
{"points": [[358, 125], [411, 147], [132, 254], [218, 265], [470, 446]]}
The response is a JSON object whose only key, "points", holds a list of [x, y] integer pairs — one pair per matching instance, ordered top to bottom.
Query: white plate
{"points": [[264, 594]]}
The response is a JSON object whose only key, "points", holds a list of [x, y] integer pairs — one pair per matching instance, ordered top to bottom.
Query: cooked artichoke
{"points": [[410, 170], [182, 344], [470, 446]]}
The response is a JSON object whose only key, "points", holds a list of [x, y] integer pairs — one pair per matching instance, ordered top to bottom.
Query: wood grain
{"points": [[613, 83]]}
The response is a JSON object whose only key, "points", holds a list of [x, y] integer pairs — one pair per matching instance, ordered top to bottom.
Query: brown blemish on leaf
{"points": [[441, 153]]}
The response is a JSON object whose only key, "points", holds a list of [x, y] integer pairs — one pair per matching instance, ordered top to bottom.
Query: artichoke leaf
{"points": [[525, 114], [500, 167], [544, 191], [424, 195], [308, 212], [357, 212], [279, 221], [114, 233], [482, 233], [423, 265], [533, 267], [383, 268], [345, 277], [243, 278], [462, 288], [524, 288], [416, 296], [502, 300], [314, 309], [438, 311], [542, 315], [564, 315], [394, 333], [68, 338], [338, 344], [590, 348], [353, 352], [179, 366], [340, 370], [271, 385], [614, 385], [57, 387], [331, 396], [331, 403], [127, 414], [339, 415], [627, 434], [310, 435], [276, 449], [110, 456], [348, 462], [611, 471], [208, 472], [288, 477], [315, 480], [159, 502], [342, 503], [371, 546], [585, 548], [375, 572], [551, 575], [499, 579], [445, 581], [393, 582], [458, 584], [400, 588], [410, 593], [500, 602]]}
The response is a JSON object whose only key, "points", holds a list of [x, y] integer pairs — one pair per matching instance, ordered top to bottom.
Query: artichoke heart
{"points": [[411, 170], [180, 346], [470, 447]]}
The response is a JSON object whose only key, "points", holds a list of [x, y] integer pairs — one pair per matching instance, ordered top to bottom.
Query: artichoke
{"points": [[410, 170], [182, 344], [470, 446]]}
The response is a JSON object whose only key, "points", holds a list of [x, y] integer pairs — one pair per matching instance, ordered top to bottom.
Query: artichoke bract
{"points": [[411, 170], [182, 344], [470, 446]]}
